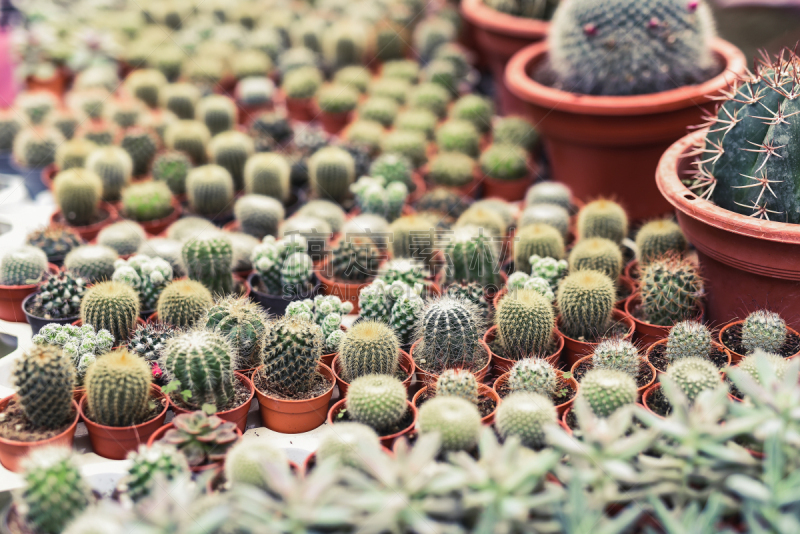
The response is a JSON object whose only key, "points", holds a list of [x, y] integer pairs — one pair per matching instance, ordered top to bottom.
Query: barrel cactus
{"points": [[218, 112], [189, 136], [141, 145], [230, 150], [73, 153], [114, 167], [172, 167], [331, 170], [268, 174], [210, 190], [78, 193], [549, 193], [147, 201], [545, 213], [258, 215], [603, 218], [125, 237], [658, 238], [536, 239], [597, 254], [472, 256], [208, 260], [93, 263], [22, 266], [671, 291], [585, 300], [183, 302], [113, 306], [525, 323], [450, 330], [688, 339], [291, 355], [617, 355], [533, 375], [694, 375], [44, 378], [457, 383], [118, 389], [607, 391], [378, 401], [526, 415], [457, 421], [346, 441]]}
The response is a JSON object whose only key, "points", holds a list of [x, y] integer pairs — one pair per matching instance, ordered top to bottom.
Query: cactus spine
{"points": [[208, 260], [585, 300], [183, 302], [113, 306], [525, 323], [763, 330], [688, 339], [370, 347], [291, 354], [44, 378], [118, 389], [378, 401], [457, 421]]}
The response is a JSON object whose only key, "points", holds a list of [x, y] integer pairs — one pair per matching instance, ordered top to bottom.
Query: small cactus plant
{"points": [[354, 77], [302, 83], [145, 85], [430, 96], [180, 98], [337, 99], [379, 109], [475, 109], [217, 112], [417, 120], [515, 131], [190, 137], [409, 143], [141, 144], [35, 148], [230, 150], [73, 153], [504, 162], [114, 167], [172, 168], [393, 168], [452, 169], [331, 171], [268, 174], [210, 190], [78, 193], [549, 193], [147, 201], [551, 214], [259, 215], [603, 218], [125, 237], [657, 238], [536, 240], [56, 241], [597, 254], [472, 256], [355, 258], [208, 260], [270, 260], [93, 263], [23, 266], [147, 275], [671, 291], [59, 297], [585, 300], [183, 302], [113, 306], [525, 323], [243, 324], [449, 330], [763, 330], [688, 339], [81, 344], [369, 347], [291, 355], [617, 355], [749, 364], [533, 375], [694, 375], [44, 378], [457, 383], [118, 389], [607, 391], [378, 401], [525, 415], [456, 420], [346, 441], [246, 461], [149, 464]]}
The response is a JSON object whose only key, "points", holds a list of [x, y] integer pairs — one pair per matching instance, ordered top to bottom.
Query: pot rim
{"points": [[481, 15], [524, 87], [51, 269], [617, 314], [714, 343], [403, 356], [738, 356], [645, 359], [321, 368], [479, 374], [241, 377], [573, 384], [483, 391], [337, 407], [97, 426], [42, 442]]}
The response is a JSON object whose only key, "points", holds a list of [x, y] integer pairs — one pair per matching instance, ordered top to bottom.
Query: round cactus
{"points": [[355, 77], [302, 83], [145, 85], [393, 88], [430, 96], [180, 98], [337, 99], [379, 109], [475, 109], [217, 112], [417, 120], [10, 125], [515, 131], [367, 133], [460, 136], [190, 137], [408, 143], [141, 145], [35, 148], [230, 150], [73, 153], [504, 162], [114, 167], [172, 167], [392, 168], [452, 169], [331, 171], [268, 174], [210, 190], [78, 193], [147, 201], [328, 211], [551, 214], [258, 215], [603, 218], [125, 237], [658, 238], [536, 239], [597, 254], [208, 260], [93, 263], [22, 266], [671, 291], [585, 300], [183, 302], [113, 306], [525, 323], [243, 324], [450, 330], [763, 330], [688, 339], [370, 347], [291, 355], [617, 355], [749, 364], [533, 375], [694, 375], [44, 378], [457, 383], [118, 389], [606, 391], [378, 401], [525, 415], [456, 420], [345, 441], [246, 461], [149, 465]]}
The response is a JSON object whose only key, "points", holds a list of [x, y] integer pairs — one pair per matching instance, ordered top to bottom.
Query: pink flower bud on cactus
{"points": [[692, 6], [653, 23], [590, 29]]}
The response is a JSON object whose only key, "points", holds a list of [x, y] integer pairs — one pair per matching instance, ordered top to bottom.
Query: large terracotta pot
{"points": [[499, 36], [610, 145], [747, 263], [12, 297], [575, 349], [404, 361], [503, 365], [501, 383], [483, 391], [236, 415], [295, 416], [386, 441]]}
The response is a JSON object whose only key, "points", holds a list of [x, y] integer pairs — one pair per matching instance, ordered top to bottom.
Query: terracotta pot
{"points": [[499, 36], [56, 84], [300, 109], [246, 113], [333, 123], [610, 145], [48, 173], [419, 187], [470, 190], [509, 190], [108, 215], [153, 228], [745, 261], [632, 270], [244, 286], [630, 287], [346, 291], [12, 297], [277, 304], [37, 323], [646, 333], [662, 342], [574, 350], [735, 356], [404, 361], [503, 365], [427, 378], [501, 383], [640, 390], [483, 391], [647, 395], [236, 415], [295, 416], [562, 421], [159, 434], [386, 441], [116, 442], [13, 453]]}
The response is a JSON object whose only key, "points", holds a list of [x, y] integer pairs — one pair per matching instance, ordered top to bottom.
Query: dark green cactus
{"points": [[180, 99], [379, 109], [475, 109], [217, 112], [515, 131], [141, 144], [35, 148], [114, 167], [172, 167], [331, 171], [210, 190], [147, 201], [603, 218], [657, 238], [536, 239], [597, 254], [472, 256], [208, 260], [22, 266], [472, 291], [671, 291], [59, 297], [585, 300], [113, 306], [525, 323], [243, 324], [450, 330], [369, 347], [291, 354], [533, 375], [44, 378], [118, 389], [378, 401], [457, 421], [150, 465]]}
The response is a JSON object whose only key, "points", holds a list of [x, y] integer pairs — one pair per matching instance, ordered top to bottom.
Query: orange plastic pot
{"points": [[498, 36], [300, 109], [611, 145], [108, 214], [745, 261], [346, 291], [11, 298], [646, 333], [661, 342], [574, 350], [735, 356], [404, 361], [503, 365], [428, 378], [502, 383], [483, 391], [639, 391], [647, 395], [236, 415], [295, 416], [159, 434], [386, 441], [116, 442], [13, 453]]}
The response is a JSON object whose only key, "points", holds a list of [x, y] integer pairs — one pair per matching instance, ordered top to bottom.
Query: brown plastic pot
{"points": [[498, 36], [300, 109], [333, 123], [611, 145], [108, 215], [153, 228], [745, 261], [628, 284], [346, 291], [11, 298], [646, 333], [660, 342], [574, 350], [735, 356], [404, 361], [503, 365], [425, 377], [501, 383], [483, 391], [639, 391], [647, 394], [236, 415], [295, 416], [159, 434], [386, 441], [116, 442], [13, 453]]}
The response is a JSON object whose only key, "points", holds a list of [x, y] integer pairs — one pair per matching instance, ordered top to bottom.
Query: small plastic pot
{"points": [[300, 109], [333, 123], [508, 190], [108, 215], [155, 227], [346, 291], [12, 298], [277, 304], [37, 323], [646, 333], [662, 342], [574, 350], [735, 356], [404, 361], [503, 365], [424, 377], [502, 381], [483, 391], [639, 391], [237, 415], [295, 416], [161, 432], [386, 441], [12, 453]]}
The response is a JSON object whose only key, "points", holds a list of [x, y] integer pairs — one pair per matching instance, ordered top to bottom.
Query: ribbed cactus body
{"points": [[180, 98], [218, 112], [515, 131], [190, 137], [141, 145], [35, 148], [230, 151], [73, 153], [114, 167], [172, 167], [331, 171], [267, 174], [210, 190], [78, 193], [549, 193], [147, 201], [552, 214], [259, 215], [603, 218], [125, 237], [657, 238], [537, 239], [472, 256], [356, 258], [208, 260], [93, 263], [22, 266], [472, 291], [671, 291], [59, 296], [585, 300], [183, 303], [113, 306], [404, 313], [525, 323], [243, 324], [450, 330], [763, 330], [688, 339], [370, 347], [291, 354], [617, 355], [203, 363], [750, 364], [533, 375], [694, 375], [44, 378], [457, 383], [118, 389], [606, 391], [378, 401], [525, 415], [457, 421], [345, 443], [248, 460], [149, 466]]}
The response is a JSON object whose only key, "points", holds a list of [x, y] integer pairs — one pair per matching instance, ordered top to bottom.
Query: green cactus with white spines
{"points": [[431, 33], [344, 43], [455, 54], [355, 77], [302, 83], [145, 84], [256, 91], [430, 96], [180, 98], [337, 99], [379, 109], [475, 109], [217, 112], [125, 113], [417, 120], [515, 131], [366, 133], [461, 136], [190, 137], [409, 143], [141, 144], [35, 147], [230, 150], [73, 153], [504, 162], [114, 167], [172, 168], [392, 168], [452, 169], [331, 171], [267, 173], [210, 190], [78, 193], [549, 193], [147, 201], [551, 214], [258, 215], [483, 217], [602, 218], [187, 227], [410, 235], [125, 237], [658, 238], [536, 239], [167, 249], [597, 254], [355, 258], [208, 260], [268, 260], [93, 263], [22, 266], [296, 273], [147, 275], [671, 290], [472, 291], [59, 297], [586, 301], [183, 302], [113, 306], [327, 312], [525, 323], [450, 330], [763, 330], [688, 339], [148, 341], [80, 344], [369, 347], [291, 354], [617, 355], [204, 363], [749, 364], [533, 375], [694, 375], [44, 378], [457, 383], [118, 389], [607, 391], [378, 401], [526, 415], [457, 421], [346, 441], [246, 463], [149, 465], [55, 493]]}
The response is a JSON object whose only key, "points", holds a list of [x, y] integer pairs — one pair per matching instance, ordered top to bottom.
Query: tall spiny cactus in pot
{"points": [[230, 150], [210, 190], [78, 193], [208, 260], [671, 291], [585, 300], [113, 306], [525, 323], [243, 324], [449, 332], [369, 347], [291, 355], [44, 378], [118, 389]]}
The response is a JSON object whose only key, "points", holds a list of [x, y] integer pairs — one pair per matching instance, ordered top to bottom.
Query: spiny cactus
{"points": [[431, 33], [344, 43], [456, 55], [250, 63], [444, 73], [354, 77], [302, 83], [145, 85], [393, 88], [255, 91], [430, 96], [180, 98], [337, 99], [36, 105], [379, 109], [475, 109], [125, 112], [217, 112], [64, 120], [417, 120], [515, 131], [100, 132], [366, 133], [190, 137], [409, 143], [141, 145], [35, 148], [230, 151], [73, 153], [504, 162], [114, 167], [172, 167], [392, 168], [452, 169], [331, 171], [268, 174], [210, 190], [78, 193], [549, 193], [147, 201], [505, 210], [330, 212], [551, 214], [258, 215], [486, 218], [603, 218], [125, 237], [658, 238], [536, 239], [55, 241], [167, 249], [597, 254], [472, 256], [270, 257], [355, 258], [208, 260], [93, 263], [22, 266], [148, 276], [472, 291], [671, 291], [59, 297], [585, 300], [183, 303], [113, 306], [525, 323], [243, 324], [450, 330], [764, 330], [688, 339], [148, 342], [81, 344], [369, 347], [291, 354], [617, 355], [203, 362], [749, 364], [533, 375], [694, 375], [44, 379], [457, 383], [118, 389], [606, 391], [378, 401], [525, 415], [457, 421], [345, 442], [246, 463], [149, 465]]}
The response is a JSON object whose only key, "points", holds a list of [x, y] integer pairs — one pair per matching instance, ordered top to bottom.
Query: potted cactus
{"points": [[615, 85], [299, 87], [254, 94], [336, 104], [217, 112], [190, 137], [141, 144], [230, 150], [33, 153], [114, 166], [172, 167], [331, 170], [453, 170], [507, 172], [268, 174], [209, 189], [374, 195], [78, 196], [151, 204], [258, 215], [124, 237], [55, 241], [208, 259], [93, 263], [352, 265], [20, 272], [283, 273], [148, 276], [57, 300], [182, 303], [396, 303], [113, 306], [327, 312], [244, 324], [761, 329], [687, 339], [148, 341], [617, 355], [688, 376], [540, 377], [464, 385], [293, 386], [525, 416], [454, 420], [203, 440], [150, 466]]}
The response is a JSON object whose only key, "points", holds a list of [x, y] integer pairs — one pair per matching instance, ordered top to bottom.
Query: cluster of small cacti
{"points": [[375, 195], [55, 241], [283, 265], [149, 276], [59, 297], [395, 303], [326, 311], [80, 343]]}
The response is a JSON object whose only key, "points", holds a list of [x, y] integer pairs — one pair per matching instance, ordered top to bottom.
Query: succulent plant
{"points": [[431, 33], [444, 73], [354, 77], [145, 84], [430, 96], [180, 98], [337, 99], [379, 109], [475, 109], [125, 112], [217, 112], [64, 120], [417, 120], [273, 125], [516, 131], [99, 132], [365, 132], [190, 137], [141, 144], [35, 147], [230, 150], [73, 153], [504, 162], [114, 167], [172, 167], [452, 169], [331, 171], [267, 174], [210, 190], [78, 193], [147, 201], [444, 203], [551, 214], [258, 215], [483, 217], [603, 218], [124, 237], [657, 238], [536, 240], [167, 249], [597, 254], [355, 258], [208, 259], [93, 263], [22, 266], [148, 276], [671, 290], [59, 297], [585, 300], [183, 303], [113, 306], [326, 311], [525, 323], [243, 324], [449, 330], [764, 330], [688, 339], [148, 342], [81, 344], [369, 347], [291, 354], [617, 355], [203, 362], [750, 364], [533, 375], [694, 375], [44, 379], [457, 383], [118, 389], [606, 391], [378, 401], [525, 415], [457, 421], [201, 438], [345, 442], [247, 462], [149, 466]]}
